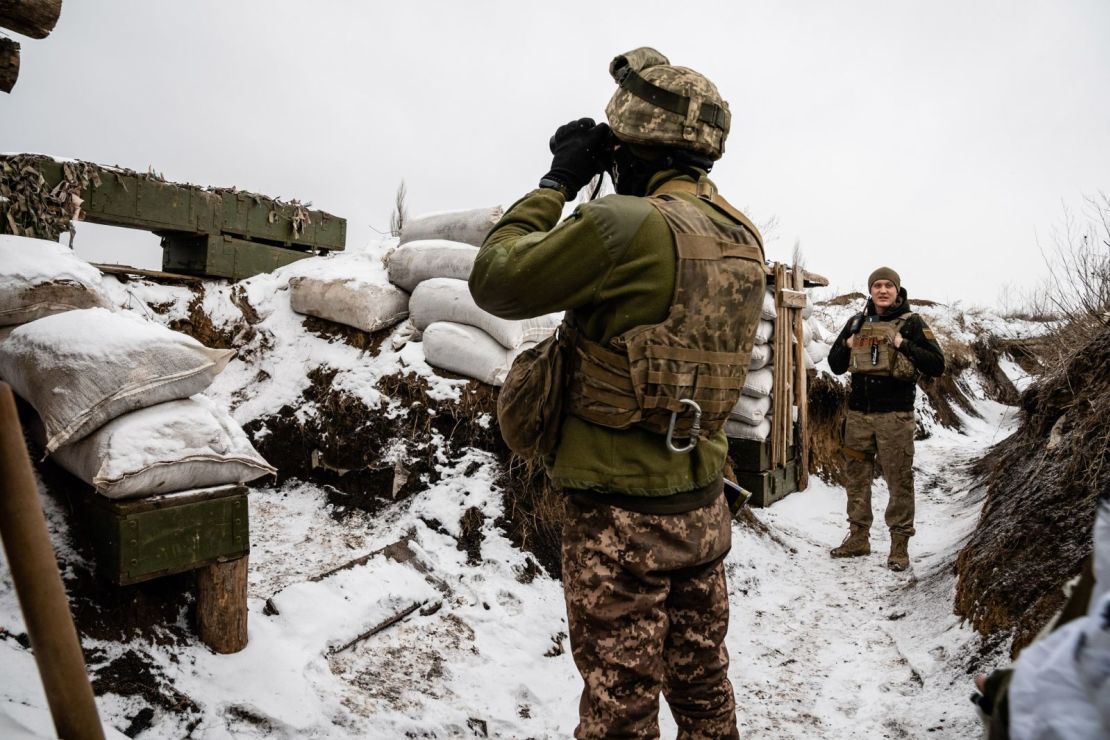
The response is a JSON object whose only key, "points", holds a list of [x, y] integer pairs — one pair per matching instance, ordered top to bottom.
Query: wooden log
{"points": [[34, 18], [9, 64], [800, 395], [222, 605]]}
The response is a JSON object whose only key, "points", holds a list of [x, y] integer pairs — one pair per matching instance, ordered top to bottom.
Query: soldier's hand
{"points": [[580, 150], [897, 340], [852, 341]]}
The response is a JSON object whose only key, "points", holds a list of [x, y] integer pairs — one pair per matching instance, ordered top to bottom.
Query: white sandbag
{"points": [[468, 227], [413, 263], [40, 278], [447, 299], [354, 302], [807, 310], [768, 313], [815, 329], [764, 332], [468, 351], [817, 351], [761, 356], [84, 368], [759, 382], [750, 410], [740, 430], [173, 446]]}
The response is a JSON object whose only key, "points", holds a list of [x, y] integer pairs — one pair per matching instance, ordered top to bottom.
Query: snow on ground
{"points": [[820, 647]]}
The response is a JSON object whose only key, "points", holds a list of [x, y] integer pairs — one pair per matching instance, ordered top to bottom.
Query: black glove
{"points": [[581, 150]]}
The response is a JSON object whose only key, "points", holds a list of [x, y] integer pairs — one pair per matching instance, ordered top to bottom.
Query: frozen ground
{"points": [[820, 648]]}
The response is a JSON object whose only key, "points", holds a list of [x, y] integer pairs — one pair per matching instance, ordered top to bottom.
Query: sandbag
{"points": [[468, 227], [413, 263], [40, 278], [447, 299], [352, 302], [807, 310], [768, 312], [764, 332], [467, 350], [817, 351], [761, 356], [84, 368], [759, 383], [750, 410], [740, 430], [173, 446]]}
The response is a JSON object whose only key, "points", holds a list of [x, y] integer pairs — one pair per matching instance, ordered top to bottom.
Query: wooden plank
{"points": [[34, 18], [156, 275], [813, 280], [792, 298], [800, 379], [222, 605]]}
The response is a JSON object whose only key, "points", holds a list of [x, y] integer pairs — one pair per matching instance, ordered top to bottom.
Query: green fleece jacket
{"points": [[612, 262]]}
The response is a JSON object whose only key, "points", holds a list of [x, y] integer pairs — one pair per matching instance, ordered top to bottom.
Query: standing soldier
{"points": [[662, 284], [886, 348]]}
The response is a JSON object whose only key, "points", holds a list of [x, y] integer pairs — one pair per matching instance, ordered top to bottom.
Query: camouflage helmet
{"points": [[657, 104]]}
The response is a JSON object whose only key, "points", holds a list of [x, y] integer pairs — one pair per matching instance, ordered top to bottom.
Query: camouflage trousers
{"points": [[889, 437], [647, 607]]}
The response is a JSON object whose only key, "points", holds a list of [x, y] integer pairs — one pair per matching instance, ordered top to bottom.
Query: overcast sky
{"points": [[940, 138]]}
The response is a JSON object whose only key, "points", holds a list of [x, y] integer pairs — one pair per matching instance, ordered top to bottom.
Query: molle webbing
{"points": [[700, 352]]}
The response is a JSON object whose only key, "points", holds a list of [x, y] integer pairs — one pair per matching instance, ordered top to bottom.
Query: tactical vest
{"points": [[701, 351], [875, 353]]}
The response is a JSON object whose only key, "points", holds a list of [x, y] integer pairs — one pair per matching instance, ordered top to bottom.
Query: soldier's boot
{"points": [[857, 543], [899, 558]]}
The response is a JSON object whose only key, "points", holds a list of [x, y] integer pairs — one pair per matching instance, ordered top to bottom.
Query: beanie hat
{"points": [[885, 273]]}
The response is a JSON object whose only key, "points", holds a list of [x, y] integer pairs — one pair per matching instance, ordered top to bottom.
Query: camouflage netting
{"points": [[30, 207], [1043, 484]]}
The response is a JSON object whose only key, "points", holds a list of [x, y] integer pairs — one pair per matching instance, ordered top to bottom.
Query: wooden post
{"points": [[34, 18], [9, 64], [800, 394], [780, 410], [38, 585], [222, 605]]}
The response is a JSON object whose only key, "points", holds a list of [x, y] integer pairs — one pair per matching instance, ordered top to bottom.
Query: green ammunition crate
{"points": [[223, 256], [753, 457], [769, 486], [136, 540]]}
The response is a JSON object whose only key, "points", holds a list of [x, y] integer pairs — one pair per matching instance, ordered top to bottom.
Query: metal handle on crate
{"points": [[695, 428]]}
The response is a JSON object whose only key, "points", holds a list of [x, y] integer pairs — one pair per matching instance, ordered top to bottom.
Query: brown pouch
{"points": [[530, 404]]}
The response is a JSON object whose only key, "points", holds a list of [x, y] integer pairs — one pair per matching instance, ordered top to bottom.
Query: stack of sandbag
{"points": [[434, 262], [41, 278], [352, 301], [117, 397], [751, 417]]}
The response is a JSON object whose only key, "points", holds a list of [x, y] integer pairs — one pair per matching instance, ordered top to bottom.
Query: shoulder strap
{"points": [[708, 193]]}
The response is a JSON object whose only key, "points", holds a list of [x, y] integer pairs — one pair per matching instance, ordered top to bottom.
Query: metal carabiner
{"points": [[695, 428]]}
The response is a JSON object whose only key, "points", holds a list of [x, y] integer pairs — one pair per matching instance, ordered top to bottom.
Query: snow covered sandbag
{"points": [[468, 227], [413, 263], [40, 278], [447, 299], [351, 301], [807, 310], [768, 313], [815, 329], [764, 332], [467, 350], [817, 351], [761, 356], [84, 368], [758, 383], [750, 410], [739, 430], [173, 446]]}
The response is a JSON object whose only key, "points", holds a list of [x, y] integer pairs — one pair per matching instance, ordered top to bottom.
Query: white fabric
{"points": [[469, 227], [414, 262], [40, 278], [447, 299], [364, 305], [807, 310], [768, 312], [815, 329], [764, 332], [468, 351], [817, 351], [761, 356], [84, 368], [758, 384], [751, 410], [740, 430], [173, 446], [1061, 683]]}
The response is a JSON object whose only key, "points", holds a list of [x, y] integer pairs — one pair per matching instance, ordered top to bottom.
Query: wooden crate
{"points": [[223, 256], [753, 457], [769, 486], [139, 539]]}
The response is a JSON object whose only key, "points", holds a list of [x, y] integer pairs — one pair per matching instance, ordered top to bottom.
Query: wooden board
{"points": [[224, 256]]}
